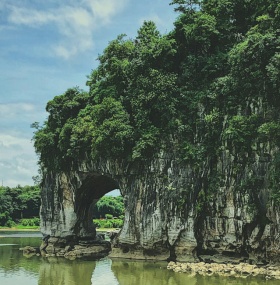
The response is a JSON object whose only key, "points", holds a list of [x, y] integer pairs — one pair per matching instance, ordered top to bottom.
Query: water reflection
{"points": [[20, 234], [11, 259], [16, 269], [58, 271], [103, 273], [148, 273], [233, 281]]}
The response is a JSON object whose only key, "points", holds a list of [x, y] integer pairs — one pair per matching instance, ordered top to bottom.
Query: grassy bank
{"points": [[20, 228]]}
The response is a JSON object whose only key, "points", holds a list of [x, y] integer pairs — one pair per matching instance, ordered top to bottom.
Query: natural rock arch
{"points": [[92, 189], [67, 199], [68, 202], [166, 213]]}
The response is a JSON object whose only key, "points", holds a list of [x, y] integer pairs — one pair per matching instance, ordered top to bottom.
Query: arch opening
{"points": [[93, 188]]}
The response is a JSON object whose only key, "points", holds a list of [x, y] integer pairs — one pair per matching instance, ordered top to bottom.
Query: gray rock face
{"points": [[220, 208], [73, 247]]}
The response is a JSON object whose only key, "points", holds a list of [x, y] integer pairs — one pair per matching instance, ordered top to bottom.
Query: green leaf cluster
{"points": [[212, 83], [18, 203], [109, 207], [108, 224]]}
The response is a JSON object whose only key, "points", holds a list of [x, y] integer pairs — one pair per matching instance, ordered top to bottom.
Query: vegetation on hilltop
{"points": [[211, 82]]}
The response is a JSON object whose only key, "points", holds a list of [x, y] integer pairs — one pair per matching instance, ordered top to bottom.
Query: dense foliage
{"points": [[211, 82], [19, 204], [109, 207], [109, 212], [108, 223]]}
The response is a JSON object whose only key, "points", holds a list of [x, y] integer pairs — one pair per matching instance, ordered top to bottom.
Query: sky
{"points": [[47, 47]]}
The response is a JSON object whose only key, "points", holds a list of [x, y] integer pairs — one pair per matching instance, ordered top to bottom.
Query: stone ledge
{"points": [[57, 247], [234, 270]]}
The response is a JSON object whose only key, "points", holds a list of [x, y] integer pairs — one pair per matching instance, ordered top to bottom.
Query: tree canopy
{"points": [[221, 60], [18, 203], [109, 205]]}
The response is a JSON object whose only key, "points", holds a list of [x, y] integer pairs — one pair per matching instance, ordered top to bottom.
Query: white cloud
{"points": [[105, 9], [25, 16], [153, 17], [75, 23], [164, 25], [10, 108], [13, 114], [16, 142], [17, 160]]}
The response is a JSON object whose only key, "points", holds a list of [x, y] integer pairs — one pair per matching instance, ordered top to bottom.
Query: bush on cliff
{"points": [[196, 90]]}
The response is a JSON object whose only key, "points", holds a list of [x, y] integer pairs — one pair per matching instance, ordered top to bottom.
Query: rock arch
{"points": [[92, 189], [68, 197], [68, 202], [167, 215]]}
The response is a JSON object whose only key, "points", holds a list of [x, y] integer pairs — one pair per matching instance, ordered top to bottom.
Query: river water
{"points": [[15, 269]]}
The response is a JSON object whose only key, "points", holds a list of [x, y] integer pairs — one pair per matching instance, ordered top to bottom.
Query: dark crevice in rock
{"points": [[172, 256]]}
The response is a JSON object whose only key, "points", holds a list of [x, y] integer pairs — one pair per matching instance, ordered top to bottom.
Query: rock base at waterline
{"points": [[70, 248], [29, 251], [138, 253], [233, 270]]}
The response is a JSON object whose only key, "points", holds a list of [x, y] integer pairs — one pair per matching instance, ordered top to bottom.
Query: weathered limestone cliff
{"points": [[187, 126], [218, 210]]}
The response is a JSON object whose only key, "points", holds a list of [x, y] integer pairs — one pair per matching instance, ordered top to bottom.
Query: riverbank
{"points": [[4, 229], [20, 229], [107, 229], [227, 270]]}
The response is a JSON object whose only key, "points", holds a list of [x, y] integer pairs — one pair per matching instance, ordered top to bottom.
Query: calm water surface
{"points": [[15, 269]]}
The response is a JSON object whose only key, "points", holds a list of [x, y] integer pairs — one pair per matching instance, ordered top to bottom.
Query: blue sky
{"points": [[47, 47]]}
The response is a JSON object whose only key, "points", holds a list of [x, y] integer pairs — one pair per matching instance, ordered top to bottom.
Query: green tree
{"points": [[186, 5], [209, 84], [62, 109], [19, 202], [109, 205]]}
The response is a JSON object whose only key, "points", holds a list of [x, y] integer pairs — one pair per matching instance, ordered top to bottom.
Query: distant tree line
{"points": [[19, 204], [109, 206]]}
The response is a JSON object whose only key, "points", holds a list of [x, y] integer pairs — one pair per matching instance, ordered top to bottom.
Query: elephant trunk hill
{"points": [[187, 126], [170, 210]]}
